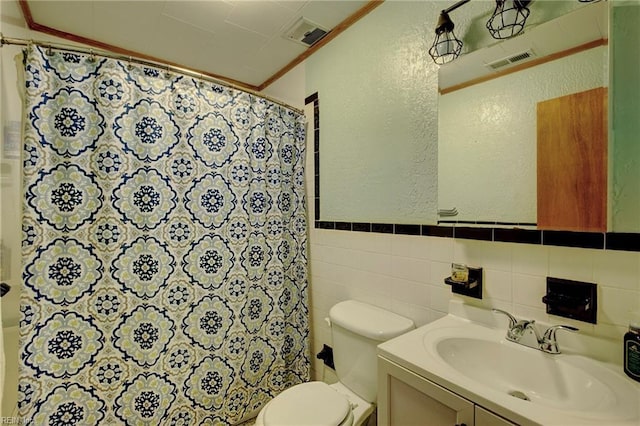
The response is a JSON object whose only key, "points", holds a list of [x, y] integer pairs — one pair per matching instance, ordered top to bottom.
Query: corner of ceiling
{"points": [[332, 34]]}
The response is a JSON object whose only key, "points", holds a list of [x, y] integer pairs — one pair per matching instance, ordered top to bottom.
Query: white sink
{"points": [[562, 382], [524, 384]]}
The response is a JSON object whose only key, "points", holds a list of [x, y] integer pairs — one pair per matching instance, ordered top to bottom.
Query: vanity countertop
{"points": [[467, 353]]}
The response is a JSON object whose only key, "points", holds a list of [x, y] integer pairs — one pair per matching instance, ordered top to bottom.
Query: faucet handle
{"points": [[512, 320], [550, 334], [549, 341]]}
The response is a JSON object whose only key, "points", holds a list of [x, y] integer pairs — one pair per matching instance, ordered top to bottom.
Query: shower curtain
{"points": [[164, 246]]}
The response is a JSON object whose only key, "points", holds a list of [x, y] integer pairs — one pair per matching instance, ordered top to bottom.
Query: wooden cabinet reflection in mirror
{"points": [[572, 161]]}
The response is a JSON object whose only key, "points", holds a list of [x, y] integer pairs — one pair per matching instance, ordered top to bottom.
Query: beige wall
{"points": [[290, 88]]}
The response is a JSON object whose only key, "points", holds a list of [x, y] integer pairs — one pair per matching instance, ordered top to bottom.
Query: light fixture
{"points": [[508, 18], [446, 47]]}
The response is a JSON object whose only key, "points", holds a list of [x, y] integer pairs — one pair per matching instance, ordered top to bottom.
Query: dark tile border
{"points": [[316, 151], [486, 223], [323, 224], [344, 226], [361, 227], [382, 228], [407, 229], [437, 231], [494, 231], [482, 234], [528, 236], [589, 240], [593, 240], [622, 241]]}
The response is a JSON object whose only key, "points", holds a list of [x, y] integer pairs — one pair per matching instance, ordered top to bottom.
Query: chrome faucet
{"points": [[520, 329], [549, 342]]}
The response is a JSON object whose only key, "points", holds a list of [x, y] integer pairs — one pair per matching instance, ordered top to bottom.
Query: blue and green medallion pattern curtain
{"points": [[164, 247]]}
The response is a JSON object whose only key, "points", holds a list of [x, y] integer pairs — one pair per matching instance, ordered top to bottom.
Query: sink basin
{"points": [[467, 354], [482, 358], [528, 374]]}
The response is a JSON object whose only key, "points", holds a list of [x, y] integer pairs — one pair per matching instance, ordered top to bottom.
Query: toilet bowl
{"points": [[356, 328], [315, 404]]}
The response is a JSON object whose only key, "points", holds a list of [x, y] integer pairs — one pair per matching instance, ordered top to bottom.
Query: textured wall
{"points": [[290, 88], [377, 91], [378, 106], [487, 137]]}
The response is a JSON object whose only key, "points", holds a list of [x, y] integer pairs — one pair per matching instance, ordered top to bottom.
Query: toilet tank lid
{"points": [[369, 321]]}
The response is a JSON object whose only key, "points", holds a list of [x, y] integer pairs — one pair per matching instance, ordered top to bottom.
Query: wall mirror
{"points": [[489, 126]]}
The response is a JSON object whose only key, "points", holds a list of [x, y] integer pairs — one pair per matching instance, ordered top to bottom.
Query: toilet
{"points": [[357, 329]]}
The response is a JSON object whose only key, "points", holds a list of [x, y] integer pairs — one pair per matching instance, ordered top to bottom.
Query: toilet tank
{"points": [[357, 328]]}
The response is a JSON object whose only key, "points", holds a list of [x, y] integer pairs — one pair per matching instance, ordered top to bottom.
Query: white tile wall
{"points": [[405, 275]]}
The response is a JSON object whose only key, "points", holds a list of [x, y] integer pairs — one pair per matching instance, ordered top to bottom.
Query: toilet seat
{"points": [[312, 403]]}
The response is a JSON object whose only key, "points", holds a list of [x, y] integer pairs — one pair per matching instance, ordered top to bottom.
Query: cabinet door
{"points": [[572, 162], [406, 399], [487, 418]]}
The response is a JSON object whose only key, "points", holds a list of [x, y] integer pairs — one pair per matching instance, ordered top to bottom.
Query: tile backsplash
{"points": [[405, 274]]}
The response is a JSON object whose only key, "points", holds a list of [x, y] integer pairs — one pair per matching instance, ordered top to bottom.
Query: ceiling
{"points": [[239, 40]]}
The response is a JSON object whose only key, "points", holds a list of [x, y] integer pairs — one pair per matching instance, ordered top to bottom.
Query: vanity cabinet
{"points": [[406, 399], [487, 418]]}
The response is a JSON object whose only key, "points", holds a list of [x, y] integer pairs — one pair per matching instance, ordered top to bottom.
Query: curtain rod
{"points": [[107, 54]]}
